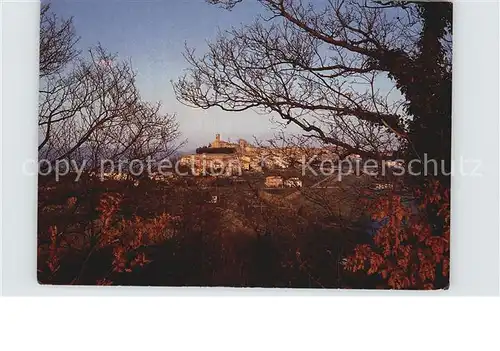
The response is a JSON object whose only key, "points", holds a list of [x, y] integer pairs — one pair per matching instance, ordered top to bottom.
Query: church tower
{"points": [[216, 143]]}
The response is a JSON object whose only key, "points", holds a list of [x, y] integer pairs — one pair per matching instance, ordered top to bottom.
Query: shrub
{"points": [[412, 250]]}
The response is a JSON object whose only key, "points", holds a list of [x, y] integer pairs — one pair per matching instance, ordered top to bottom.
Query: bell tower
{"points": [[217, 140]]}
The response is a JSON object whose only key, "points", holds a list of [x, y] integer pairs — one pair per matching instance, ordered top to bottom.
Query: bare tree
{"points": [[57, 42], [362, 75], [90, 107], [96, 112]]}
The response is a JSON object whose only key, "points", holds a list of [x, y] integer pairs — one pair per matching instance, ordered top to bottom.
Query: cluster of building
{"points": [[231, 158], [123, 176], [280, 182]]}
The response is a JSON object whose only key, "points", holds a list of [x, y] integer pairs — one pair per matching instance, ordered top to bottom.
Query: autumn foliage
{"points": [[113, 234], [123, 240], [412, 249]]}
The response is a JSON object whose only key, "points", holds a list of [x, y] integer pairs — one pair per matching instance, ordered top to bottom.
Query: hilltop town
{"points": [[231, 158], [268, 167]]}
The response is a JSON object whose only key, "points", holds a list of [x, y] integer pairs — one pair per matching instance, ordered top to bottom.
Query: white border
{"points": [[475, 209], [294, 323]]}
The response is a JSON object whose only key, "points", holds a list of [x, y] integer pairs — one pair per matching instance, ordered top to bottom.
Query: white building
{"points": [[293, 183]]}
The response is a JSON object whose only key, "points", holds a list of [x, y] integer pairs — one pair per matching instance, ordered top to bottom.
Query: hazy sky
{"points": [[152, 34]]}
